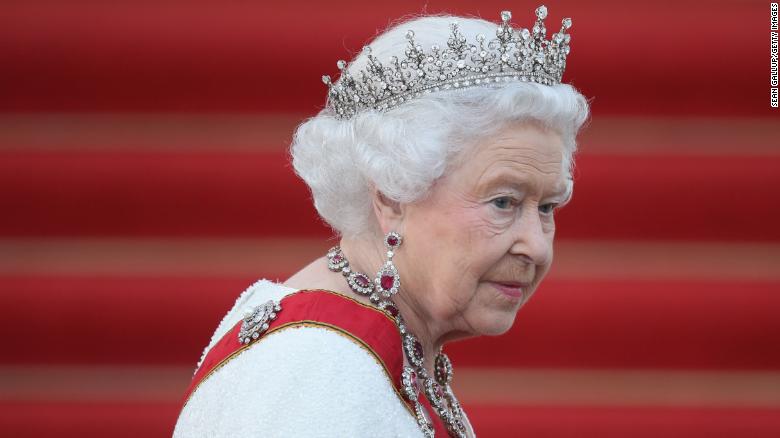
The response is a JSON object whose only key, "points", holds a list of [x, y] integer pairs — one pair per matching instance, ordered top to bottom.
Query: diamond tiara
{"points": [[513, 55]]}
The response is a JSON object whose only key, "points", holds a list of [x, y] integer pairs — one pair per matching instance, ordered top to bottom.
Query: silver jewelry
{"points": [[513, 55], [387, 280], [257, 320], [415, 377]]}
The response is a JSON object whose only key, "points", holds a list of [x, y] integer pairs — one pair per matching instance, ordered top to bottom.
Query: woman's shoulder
{"points": [[257, 293], [324, 354], [306, 381]]}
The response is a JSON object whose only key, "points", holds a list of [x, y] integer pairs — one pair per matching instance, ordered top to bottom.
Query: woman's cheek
{"points": [[548, 225]]}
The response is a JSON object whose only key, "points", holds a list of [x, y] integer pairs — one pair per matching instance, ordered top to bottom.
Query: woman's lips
{"points": [[513, 290]]}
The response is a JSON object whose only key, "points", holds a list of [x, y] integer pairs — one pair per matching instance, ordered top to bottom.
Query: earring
{"points": [[387, 280]]}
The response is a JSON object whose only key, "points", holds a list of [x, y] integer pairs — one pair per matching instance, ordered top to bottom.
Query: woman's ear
{"points": [[389, 214]]}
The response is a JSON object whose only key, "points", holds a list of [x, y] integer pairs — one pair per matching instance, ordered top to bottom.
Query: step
{"points": [[263, 56], [272, 132], [206, 193], [596, 323], [90, 401], [101, 419]]}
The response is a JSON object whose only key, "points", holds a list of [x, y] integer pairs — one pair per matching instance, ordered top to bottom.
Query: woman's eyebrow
{"points": [[562, 190]]}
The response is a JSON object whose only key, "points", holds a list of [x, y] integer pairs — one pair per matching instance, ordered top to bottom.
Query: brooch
{"points": [[256, 321]]}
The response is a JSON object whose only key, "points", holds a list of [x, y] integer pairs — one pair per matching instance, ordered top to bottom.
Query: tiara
{"points": [[513, 55]]}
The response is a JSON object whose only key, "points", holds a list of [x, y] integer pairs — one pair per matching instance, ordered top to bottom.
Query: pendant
{"points": [[387, 280]]}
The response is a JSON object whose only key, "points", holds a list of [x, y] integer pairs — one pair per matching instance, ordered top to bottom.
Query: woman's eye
{"points": [[503, 202], [547, 208]]}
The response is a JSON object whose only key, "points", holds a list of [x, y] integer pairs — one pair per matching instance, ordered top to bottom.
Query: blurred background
{"points": [[144, 183]]}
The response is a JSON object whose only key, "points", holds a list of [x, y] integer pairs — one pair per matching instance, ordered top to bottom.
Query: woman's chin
{"points": [[497, 325]]}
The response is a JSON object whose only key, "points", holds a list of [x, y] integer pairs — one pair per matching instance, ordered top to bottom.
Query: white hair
{"points": [[402, 151]]}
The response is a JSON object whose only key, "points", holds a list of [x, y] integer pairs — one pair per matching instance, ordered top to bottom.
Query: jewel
{"points": [[541, 12], [506, 16], [566, 23], [341, 64], [326, 79], [392, 240], [337, 258], [362, 280], [387, 282], [392, 310], [257, 321], [418, 349], [410, 386]]}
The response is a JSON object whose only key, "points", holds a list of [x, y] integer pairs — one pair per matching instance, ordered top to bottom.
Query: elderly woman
{"points": [[440, 159]]}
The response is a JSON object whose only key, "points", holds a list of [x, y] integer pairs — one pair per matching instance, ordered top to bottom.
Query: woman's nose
{"points": [[531, 241]]}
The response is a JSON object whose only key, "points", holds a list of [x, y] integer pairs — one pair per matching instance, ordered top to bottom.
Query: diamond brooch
{"points": [[257, 321]]}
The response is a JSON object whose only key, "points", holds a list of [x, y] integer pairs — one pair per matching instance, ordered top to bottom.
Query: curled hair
{"points": [[402, 151]]}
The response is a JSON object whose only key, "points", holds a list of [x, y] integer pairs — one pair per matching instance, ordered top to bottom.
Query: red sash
{"points": [[367, 326]]}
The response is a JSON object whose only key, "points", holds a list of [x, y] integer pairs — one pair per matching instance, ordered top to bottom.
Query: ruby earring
{"points": [[387, 280]]}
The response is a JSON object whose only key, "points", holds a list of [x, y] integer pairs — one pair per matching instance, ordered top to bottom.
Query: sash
{"points": [[368, 327]]}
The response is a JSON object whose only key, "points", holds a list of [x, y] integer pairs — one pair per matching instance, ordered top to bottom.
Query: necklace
{"points": [[414, 377]]}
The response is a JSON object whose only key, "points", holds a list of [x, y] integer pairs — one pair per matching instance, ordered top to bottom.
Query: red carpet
{"points": [[144, 183], [249, 194], [568, 323]]}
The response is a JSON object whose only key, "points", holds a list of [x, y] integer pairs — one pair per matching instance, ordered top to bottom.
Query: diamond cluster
{"points": [[513, 55], [257, 320]]}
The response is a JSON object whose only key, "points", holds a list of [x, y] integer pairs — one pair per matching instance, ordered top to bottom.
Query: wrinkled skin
{"points": [[488, 221]]}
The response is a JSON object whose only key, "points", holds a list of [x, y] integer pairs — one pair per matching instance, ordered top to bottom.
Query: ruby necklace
{"points": [[415, 377]]}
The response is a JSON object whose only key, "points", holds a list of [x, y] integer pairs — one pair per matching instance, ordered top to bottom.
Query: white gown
{"points": [[297, 382]]}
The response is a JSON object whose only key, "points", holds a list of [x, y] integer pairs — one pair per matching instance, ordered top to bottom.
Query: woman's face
{"points": [[476, 249]]}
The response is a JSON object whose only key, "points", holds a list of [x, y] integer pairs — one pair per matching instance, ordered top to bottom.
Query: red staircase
{"points": [[144, 183]]}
